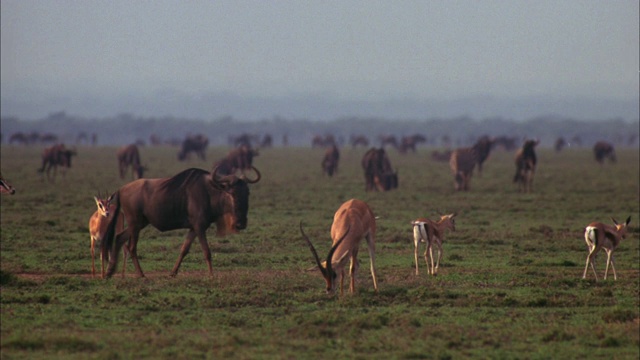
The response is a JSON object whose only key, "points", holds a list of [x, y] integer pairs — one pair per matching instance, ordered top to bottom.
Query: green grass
{"points": [[509, 285]]}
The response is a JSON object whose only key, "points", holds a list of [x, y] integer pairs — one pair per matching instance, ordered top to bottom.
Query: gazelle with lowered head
{"points": [[353, 221], [98, 227], [431, 233], [602, 236]]}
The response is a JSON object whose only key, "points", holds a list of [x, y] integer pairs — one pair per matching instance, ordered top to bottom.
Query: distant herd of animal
{"points": [[195, 198]]}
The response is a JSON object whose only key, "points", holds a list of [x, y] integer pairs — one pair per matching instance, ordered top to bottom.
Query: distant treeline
{"points": [[127, 128]]}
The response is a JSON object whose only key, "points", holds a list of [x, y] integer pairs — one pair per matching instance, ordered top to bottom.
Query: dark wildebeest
{"points": [[19, 137], [358, 140], [388, 140], [267, 141], [320, 141], [409, 143], [197, 144], [559, 144], [603, 150], [54, 156], [130, 156], [239, 159], [330, 160], [464, 160], [526, 165], [378, 174], [5, 187], [192, 199]]}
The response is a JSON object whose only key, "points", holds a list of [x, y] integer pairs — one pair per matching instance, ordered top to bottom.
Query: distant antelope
{"points": [[526, 165], [5, 187], [353, 221], [98, 227], [430, 233], [597, 236]]}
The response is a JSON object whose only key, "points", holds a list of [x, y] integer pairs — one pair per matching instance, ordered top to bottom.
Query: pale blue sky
{"points": [[353, 50]]}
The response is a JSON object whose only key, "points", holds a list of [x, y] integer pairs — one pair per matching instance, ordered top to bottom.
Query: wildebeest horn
{"points": [[256, 180], [221, 181], [333, 249], [313, 250]]}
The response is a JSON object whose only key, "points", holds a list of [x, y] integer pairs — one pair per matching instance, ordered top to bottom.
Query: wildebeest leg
{"points": [[131, 237], [205, 250], [183, 252]]}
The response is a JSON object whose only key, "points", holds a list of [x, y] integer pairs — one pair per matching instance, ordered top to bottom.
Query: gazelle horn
{"points": [[333, 249], [313, 250]]}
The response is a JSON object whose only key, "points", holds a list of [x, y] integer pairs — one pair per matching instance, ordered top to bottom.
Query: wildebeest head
{"points": [[235, 190]]}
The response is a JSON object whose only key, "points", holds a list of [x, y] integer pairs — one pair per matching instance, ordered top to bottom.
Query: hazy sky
{"points": [[357, 50]]}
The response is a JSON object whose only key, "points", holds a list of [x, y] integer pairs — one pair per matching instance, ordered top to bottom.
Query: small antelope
{"points": [[5, 187], [353, 221], [97, 228], [431, 232], [598, 235]]}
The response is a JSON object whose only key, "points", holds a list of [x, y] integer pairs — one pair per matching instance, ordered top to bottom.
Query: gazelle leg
{"points": [[416, 242], [438, 244], [372, 257], [93, 258], [426, 258], [590, 259], [610, 261], [433, 265], [353, 268], [615, 277]]}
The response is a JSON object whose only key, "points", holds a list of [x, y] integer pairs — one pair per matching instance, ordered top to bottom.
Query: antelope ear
{"points": [[96, 199], [628, 220], [614, 221]]}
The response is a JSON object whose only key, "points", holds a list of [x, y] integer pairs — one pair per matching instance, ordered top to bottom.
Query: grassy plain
{"points": [[509, 287]]}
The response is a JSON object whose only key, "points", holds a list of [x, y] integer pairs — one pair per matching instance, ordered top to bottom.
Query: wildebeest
{"points": [[358, 140], [388, 140], [323, 141], [409, 143], [196, 144], [559, 144], [603, 150], [54, 156], [130, 156], [239, 159], [330, 160], [464, 160], [526, 162], [378, 174], [5, 187], [193, 199], [352, 222]]}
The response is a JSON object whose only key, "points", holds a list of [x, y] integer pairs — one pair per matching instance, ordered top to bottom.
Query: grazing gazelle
{"points": [[5, 187], [353, 221], [98, 227], [431, 233], [602, 236]]}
